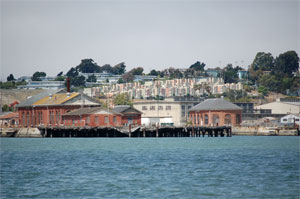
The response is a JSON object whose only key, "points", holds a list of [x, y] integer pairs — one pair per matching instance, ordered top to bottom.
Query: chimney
{"points": [[68, 84]]}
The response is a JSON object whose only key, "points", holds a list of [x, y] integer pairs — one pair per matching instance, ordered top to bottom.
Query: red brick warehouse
{"points": [[47, 108], [215, 112], [93, 117]]}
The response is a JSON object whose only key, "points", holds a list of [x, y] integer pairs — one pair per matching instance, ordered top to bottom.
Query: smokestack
{"points": [[68, 84]]}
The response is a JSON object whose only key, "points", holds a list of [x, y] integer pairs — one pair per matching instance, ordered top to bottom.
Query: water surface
{"points": [[235, 167]]}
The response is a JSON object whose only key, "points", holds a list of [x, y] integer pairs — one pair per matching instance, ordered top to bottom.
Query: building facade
{"points": [[46, 109], [172, 111], [215, 112], [92, 117]]}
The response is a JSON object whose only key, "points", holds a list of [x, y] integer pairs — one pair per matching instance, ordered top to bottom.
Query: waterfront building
{"points": [[282, 106], [46, 109], [172, 111], [215, 112], [129, 115], [92, 117], [9, 119], [291, 119]]}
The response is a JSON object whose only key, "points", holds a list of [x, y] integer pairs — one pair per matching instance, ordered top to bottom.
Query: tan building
{"points": [[282, 107], [171, 111], [215, 112]]}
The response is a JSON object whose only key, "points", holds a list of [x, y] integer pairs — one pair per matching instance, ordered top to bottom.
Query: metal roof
{"points": [[30, 101], [215, 104], [122, 108], [88, 110]]}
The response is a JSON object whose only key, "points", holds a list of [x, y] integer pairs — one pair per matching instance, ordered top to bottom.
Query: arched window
{"points": [[206, 119], [238, 119], [216, 120], [227, 120]]}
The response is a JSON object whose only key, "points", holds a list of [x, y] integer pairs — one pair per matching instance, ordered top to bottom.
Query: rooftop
{"points": [[215, 104]]}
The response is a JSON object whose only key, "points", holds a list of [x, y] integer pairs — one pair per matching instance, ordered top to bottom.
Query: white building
{"points": [[282, 107], [171, 111], [290, 119]]}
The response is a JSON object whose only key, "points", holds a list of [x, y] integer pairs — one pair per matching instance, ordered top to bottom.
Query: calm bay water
{"points": [[236, 167]]}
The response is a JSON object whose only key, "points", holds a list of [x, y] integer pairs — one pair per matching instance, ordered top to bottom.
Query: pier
{"points": [[135, 131]]}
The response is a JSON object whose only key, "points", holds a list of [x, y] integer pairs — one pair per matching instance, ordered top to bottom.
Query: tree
{"points": [[262, 62], [286, 64], [88, 66], [198, 66], [107, 68], [119, 69], [137, 71], [72, 72], [153, 72], [59, 74], [231, 74], [37, 76], [128, 77], [11, 78], [91, 78], [77, 81], [120, 81], [263, 90], [122, 99], [5, 108]]}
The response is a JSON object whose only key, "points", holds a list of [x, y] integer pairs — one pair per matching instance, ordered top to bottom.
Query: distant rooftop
{"points": [[215, 104]]}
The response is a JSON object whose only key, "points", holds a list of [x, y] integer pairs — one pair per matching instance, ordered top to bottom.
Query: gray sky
{"points": [[53, 36]]}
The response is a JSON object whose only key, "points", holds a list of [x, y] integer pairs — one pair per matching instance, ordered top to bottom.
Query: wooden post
{"points": [[157, 131], [144, 132]]}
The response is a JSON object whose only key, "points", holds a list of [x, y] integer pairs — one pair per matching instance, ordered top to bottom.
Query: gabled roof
{"points": [[58, 98], [30, 101], [215, 104], [125, 108], [90, 110], [9, 116]]}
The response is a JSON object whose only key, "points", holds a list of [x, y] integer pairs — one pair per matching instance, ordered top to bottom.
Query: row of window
{"points": [[152, 108], [216, 120]]}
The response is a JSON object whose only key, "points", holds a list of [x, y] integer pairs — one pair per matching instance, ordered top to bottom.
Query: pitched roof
{"points": [[58, 98], [30, 101], [215, 104], [123, 108], [89, 110], [9, 116]]}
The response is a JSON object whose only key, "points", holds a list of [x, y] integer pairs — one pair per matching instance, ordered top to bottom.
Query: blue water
{"points": [[236, 167]]}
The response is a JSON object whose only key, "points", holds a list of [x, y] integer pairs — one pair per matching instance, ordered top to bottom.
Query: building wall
{"points": [[280, 108], [165, 109], [43, 115], [198, 118], [290, 119], [92, 120]]}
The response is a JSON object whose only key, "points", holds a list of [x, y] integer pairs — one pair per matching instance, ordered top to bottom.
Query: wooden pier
{"points": [[220, 131]]}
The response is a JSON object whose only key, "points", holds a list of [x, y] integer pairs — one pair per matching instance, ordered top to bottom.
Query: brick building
{"points": [[46, 109], [215, 112], [130, 115], [97, 116], [93, 117]]}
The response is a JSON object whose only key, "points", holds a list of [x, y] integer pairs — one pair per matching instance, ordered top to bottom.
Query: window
{"points": [[168, 107], [144, 108], [152, 108], [160, 108], [182, 111], [28, 118], [23, 119], [106, 119], [115, 119], [206, 119], [227, 119], [238, 119], [87, 120], [96, 120], [216, 120], [284, 120], [297, 120]]}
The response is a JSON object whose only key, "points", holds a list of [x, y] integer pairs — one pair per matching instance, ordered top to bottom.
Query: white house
{"points": [[290, 119]]}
